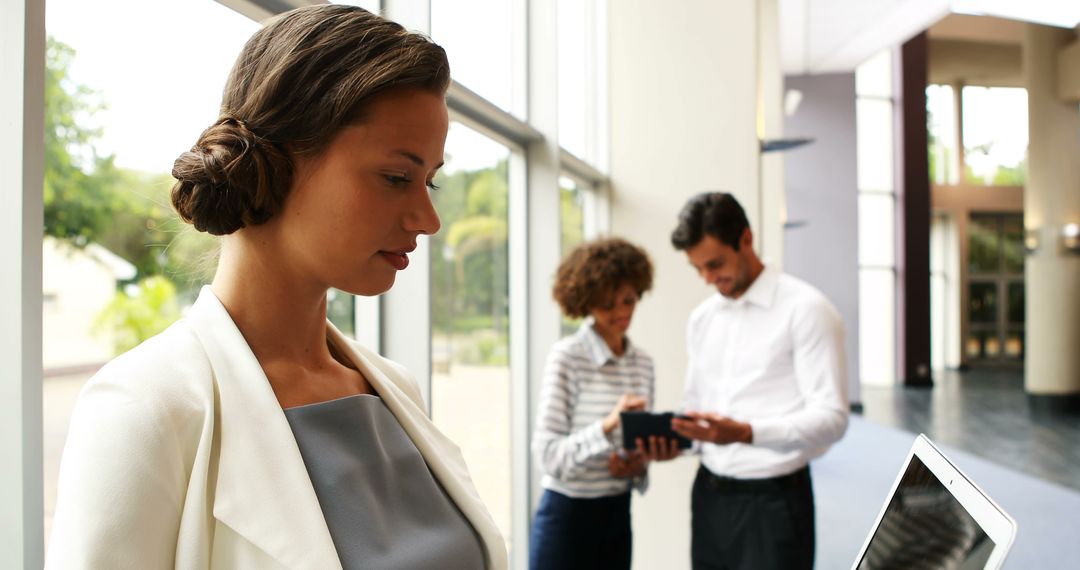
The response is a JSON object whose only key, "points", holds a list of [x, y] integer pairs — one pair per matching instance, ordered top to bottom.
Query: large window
{"points": [[486, 53], [874, 109], [995, 130], [941, 131], [993, 133], [118, 266], [470, 329]]}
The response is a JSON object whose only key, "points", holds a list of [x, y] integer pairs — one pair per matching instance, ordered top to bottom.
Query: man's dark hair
{"points": [[717, 214]]}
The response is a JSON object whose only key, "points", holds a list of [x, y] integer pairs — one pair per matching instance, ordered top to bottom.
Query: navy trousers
{"points": [[570, 533]]}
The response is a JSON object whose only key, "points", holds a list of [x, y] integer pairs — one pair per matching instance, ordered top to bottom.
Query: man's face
{"points": [[721, 266]]}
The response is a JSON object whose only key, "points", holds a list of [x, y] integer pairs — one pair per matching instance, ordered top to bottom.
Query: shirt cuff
{"points": [[768, 433], [599, 441]]}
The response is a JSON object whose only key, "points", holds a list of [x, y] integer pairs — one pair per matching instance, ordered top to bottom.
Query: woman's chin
{"points": [[369, 287]]}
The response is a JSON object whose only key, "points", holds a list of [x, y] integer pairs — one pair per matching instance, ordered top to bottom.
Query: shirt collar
{"points": [[762, 291], [599, 351]]}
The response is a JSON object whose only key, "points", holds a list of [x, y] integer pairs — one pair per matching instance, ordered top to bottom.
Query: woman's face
{"points": [[354, 212], [614, 315]]}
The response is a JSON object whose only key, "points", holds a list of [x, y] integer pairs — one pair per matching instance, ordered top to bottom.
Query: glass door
{"points": [[995, 288]]}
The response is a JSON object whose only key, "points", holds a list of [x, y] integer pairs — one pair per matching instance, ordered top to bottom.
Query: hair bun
{"points": [[230, 179]]}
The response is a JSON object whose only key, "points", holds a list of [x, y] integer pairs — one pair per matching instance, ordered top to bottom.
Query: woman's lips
{"points": [[398, 260]]}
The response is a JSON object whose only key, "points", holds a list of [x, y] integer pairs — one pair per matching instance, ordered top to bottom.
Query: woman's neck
{"points": [[282, 317], [615, 340]]}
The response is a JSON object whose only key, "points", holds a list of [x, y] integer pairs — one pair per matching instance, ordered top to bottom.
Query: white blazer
{"points": [[179, 455]]}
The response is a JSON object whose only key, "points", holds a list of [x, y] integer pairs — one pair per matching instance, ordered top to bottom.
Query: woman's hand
{"points": [[628, 402], [633, 464]]}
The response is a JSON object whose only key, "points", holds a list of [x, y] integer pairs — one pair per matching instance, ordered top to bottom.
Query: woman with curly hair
{"points": [[583, 520]]}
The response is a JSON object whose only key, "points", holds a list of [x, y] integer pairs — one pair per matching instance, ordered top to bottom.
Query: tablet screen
{"points": [[924, 526]]}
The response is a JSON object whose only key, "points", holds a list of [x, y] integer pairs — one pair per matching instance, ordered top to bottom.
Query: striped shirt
{"points": [[583, 381]]}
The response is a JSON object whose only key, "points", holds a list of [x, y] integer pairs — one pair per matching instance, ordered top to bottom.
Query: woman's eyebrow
{"points": [[416, 159]]}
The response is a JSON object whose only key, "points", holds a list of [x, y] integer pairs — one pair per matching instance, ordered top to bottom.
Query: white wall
{"points": [[682, 84], [821, 246], [76, 288]]}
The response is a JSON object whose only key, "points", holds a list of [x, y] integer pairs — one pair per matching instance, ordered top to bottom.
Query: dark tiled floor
{"points": [[984, 411]]}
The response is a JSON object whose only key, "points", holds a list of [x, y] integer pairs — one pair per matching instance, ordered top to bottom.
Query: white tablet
{"points": [[935, 517]]}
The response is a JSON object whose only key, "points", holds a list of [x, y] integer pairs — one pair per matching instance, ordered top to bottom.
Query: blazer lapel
{"points": [[441, 455], [263, 491]]}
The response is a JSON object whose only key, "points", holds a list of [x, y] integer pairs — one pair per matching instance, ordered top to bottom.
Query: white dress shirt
{"points": [[773, 358]]}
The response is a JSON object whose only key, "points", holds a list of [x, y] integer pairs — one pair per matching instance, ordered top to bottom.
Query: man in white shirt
{"points": [[766, 392]]}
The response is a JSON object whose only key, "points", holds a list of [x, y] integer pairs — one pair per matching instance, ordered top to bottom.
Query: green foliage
{"points": [[79, 196], [88, 199], [571, 220], [469, 255], [136, 317]]}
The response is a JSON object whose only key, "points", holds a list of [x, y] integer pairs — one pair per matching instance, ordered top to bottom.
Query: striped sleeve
{"points": [[560, 452]]}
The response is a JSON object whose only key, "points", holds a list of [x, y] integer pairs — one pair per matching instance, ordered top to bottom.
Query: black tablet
{"points": [[644, 424]]}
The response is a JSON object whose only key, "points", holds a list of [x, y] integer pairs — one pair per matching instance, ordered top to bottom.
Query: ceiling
{"points": [[828, 36]]}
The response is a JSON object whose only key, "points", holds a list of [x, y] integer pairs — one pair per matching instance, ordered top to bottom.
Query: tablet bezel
{"points": [[994, 521]]}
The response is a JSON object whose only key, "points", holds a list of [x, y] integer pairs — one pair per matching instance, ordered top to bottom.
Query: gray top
{"points": [[382, 504]]}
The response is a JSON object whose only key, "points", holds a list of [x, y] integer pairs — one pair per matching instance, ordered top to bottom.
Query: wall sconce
{"points": [[1070, 238], [1031, 241]]}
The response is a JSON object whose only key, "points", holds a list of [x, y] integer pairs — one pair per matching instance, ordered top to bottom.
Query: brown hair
{"points": [[298, 81], [593, 270]]}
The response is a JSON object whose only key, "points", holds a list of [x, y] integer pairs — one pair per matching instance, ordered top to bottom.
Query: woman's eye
{"points": [[397, 179], [432, 186]]}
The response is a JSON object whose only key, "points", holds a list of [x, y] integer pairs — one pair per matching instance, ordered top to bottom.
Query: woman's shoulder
{"points": [[168, 370]]}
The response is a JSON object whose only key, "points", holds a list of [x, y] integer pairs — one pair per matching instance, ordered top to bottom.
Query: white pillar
{"points": [[22, 100], [683, 100], [1051, 200]]}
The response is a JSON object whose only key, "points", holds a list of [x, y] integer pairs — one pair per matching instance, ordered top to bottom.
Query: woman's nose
{"points": [[422, 217]]}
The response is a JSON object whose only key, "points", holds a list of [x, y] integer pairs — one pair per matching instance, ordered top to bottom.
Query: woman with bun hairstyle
{"points": [[252, 433], [583, 520]]}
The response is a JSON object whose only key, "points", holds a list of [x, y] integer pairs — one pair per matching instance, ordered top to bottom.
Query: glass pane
{"points": [[575, 58], [482, 59], [874, 77], [995, 123], [941, 130], [874, 144], [571, 220], [571, 229], [876, 230], [1012, 244], [983, 245], [118, 267], [982, 303], [1015, 307], [341, 310], [877, 326], [470, 344], [1014, 344], [973, 346]]}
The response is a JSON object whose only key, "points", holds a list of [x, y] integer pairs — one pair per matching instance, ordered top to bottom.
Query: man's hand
{"points": [[627, 402], [713, 428], [658, 448], [633, 464]]}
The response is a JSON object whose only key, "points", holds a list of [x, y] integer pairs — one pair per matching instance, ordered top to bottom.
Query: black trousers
{"points": [[752, 524], [570, 533]]}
